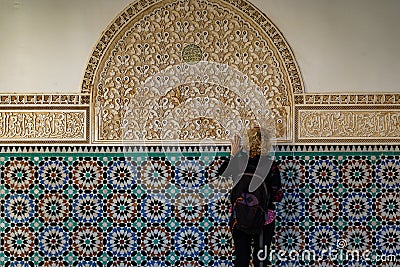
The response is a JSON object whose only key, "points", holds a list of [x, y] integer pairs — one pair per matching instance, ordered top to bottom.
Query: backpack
{"points": [[249, 210]]}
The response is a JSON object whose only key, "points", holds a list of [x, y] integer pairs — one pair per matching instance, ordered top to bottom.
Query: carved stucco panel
{"points": [[144, 63], [348, 124], [32, 125]]}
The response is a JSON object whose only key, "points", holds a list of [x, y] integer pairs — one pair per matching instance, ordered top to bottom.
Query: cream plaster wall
{"points": [[45, 44], [341, 45]]}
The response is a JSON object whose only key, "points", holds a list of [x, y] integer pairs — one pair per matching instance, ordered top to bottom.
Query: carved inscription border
{"points": [[44, 99], [350, 99], [347, 124], [44, 125]]}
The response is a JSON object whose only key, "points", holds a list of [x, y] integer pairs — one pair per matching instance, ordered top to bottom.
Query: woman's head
{"points": [[259, 142]]}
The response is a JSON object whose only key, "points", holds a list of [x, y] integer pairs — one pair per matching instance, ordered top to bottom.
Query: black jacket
{"points": [[262, 166]]}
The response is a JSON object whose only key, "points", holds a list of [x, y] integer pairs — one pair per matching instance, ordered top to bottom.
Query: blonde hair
{"points": [[259, 142]]}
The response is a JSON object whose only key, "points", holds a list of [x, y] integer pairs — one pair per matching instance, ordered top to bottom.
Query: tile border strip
{"points": [[195, 150]]}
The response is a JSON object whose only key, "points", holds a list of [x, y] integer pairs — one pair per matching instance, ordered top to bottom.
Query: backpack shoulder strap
{"points": [[267, 193]]}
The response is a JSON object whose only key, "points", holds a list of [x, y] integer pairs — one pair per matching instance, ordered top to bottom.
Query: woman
{"points": [[258, 163]]}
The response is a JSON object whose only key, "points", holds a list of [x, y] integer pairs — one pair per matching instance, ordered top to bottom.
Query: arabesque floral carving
{"points": [[138, 74]]}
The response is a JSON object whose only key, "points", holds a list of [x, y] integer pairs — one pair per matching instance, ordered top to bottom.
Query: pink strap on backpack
{"points": [[270, 217]]}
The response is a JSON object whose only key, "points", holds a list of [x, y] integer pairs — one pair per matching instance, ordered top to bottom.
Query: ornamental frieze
{"points": [[42, 99], [351, 99], [347, 124], [44, 125]]}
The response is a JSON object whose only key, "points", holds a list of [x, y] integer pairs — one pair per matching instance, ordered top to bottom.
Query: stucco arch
{"points": [[143, 53]]}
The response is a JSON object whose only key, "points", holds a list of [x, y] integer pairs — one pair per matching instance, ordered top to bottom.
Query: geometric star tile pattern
{"points": [[171, 209], [339, 209]]}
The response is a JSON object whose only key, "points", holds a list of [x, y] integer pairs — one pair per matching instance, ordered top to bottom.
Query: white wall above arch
{"points": [[341, 45]]}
